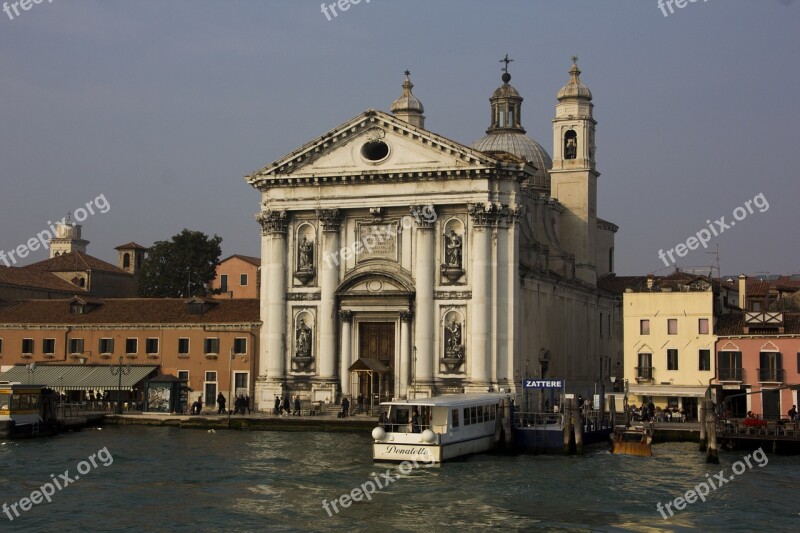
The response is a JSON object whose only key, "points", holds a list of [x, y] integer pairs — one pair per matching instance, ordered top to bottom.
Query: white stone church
{"points": [[401, 263]]}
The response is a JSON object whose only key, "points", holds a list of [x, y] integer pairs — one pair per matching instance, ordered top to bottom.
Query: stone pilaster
{"points": [[330, 221], [274, 227], [424, 276], [347, 349], [401, 387]]}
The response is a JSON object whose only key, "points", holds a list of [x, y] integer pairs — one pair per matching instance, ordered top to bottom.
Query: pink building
{"points": [[758, 359]]}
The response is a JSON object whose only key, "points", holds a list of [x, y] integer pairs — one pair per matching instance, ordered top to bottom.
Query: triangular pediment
{"points": [[342, 152]]}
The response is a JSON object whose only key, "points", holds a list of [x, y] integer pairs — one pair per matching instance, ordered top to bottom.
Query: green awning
{"points": [[78, 377]]}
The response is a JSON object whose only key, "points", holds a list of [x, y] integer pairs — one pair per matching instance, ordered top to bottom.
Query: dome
{"points": [[575, 88], [506, 91], [407, 101], [519, 145]]}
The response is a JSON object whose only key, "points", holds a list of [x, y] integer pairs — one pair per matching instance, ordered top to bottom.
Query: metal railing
{"points": [[644, 373], [731, 374], [774, 375]]}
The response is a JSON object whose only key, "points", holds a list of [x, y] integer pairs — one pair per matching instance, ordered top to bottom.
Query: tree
{"points": [[182, 267]]}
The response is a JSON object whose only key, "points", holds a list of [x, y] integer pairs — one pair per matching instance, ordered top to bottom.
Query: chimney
{"points": [[742, 292]]}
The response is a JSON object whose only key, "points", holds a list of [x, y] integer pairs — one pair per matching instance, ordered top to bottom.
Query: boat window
{"points": [[4, 401], [25, 401], [492, 412], [480, 414], [473, 415], [400, 416], [466, 416], [455, 418]]}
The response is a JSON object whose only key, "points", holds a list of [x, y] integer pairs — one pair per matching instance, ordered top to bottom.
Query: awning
{"points": [[78, 377], [667, 390]]}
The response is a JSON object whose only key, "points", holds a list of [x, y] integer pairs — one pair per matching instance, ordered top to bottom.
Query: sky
{"points": [[155, 110]]}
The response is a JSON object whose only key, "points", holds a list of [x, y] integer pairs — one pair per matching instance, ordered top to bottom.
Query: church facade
{"points": [[400, 263]]}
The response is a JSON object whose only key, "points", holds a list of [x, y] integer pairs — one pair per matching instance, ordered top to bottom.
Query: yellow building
{"points": [[669, 340]]}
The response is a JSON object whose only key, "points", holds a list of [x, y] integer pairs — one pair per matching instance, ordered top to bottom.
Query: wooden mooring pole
{"points": [[568, 411], [702, 419], [578, 425], [711, 432]]}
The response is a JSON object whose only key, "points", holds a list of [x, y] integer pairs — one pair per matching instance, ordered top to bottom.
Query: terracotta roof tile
{"points": [[131, 245], [248, 258], [76, 261], [36, 279], [130, 311], [733, 325]]}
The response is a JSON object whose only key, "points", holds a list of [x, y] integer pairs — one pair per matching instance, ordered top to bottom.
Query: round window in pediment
{"points": [[375, 151]]}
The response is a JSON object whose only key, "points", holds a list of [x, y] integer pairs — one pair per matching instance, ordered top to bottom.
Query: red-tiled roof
{"points": [[131, 245], [248, 258], [74, 261], [36, 279], [617, 284], [130, 311], [733, 325]]}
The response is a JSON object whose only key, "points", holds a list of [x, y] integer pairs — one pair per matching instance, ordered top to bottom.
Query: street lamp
{"points": [[119, 370], [414, 377]]}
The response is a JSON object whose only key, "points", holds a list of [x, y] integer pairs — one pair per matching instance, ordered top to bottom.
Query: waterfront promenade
{"points": [[254, 421]]}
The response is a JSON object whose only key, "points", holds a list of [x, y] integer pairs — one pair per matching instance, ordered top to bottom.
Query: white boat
{"points": [[433, 430]]}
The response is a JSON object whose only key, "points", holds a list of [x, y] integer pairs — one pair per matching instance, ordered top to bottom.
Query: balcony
{"points": [[644, 373], [731, 374], [770, 375]]}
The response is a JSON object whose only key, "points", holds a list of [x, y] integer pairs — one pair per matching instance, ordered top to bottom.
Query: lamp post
{"points": [[31, 368], [119, 370], [414, 375]]}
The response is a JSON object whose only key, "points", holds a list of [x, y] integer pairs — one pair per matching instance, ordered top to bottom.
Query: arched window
{"points": [[570, 145], [611, 259], [126, 260]]}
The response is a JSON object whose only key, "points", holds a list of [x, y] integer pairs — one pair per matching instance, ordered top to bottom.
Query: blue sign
{"points": [[543, 383]]}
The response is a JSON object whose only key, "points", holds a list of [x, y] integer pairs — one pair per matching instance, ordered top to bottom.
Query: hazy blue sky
{"points": [[163, 106]]}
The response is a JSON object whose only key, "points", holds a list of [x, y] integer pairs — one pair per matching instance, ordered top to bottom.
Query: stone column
{"points": [[274, 226], [328, 281], [514, 287], [501, 306], [425, 322], [347, 349], [480, 354], [401, 387]]}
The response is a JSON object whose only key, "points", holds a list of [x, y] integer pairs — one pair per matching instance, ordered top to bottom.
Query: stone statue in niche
{"points": [[571, 148], [454, 249], [306, 262], [303, 335], [454, 349]]}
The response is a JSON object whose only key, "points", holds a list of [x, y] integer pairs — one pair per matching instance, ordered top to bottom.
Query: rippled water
{"points": [[190, 480]]}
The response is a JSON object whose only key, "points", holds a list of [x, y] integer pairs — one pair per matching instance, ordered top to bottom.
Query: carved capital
{"points": [[492, 215], [329, 218], [422, 221], [273, 222], [345, 315], [406, 316]]}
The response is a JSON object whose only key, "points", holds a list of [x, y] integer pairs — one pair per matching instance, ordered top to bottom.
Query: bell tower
{"points": [[573, 176], [67, 239]]}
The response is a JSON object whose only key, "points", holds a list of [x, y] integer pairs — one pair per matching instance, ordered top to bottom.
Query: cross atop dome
{"points": [[506, 75]]}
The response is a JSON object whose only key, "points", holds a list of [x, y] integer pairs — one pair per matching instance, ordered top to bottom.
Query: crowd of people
{"points": [[649, 411]]}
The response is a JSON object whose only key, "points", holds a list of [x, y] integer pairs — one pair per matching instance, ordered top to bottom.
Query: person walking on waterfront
{"points": [[359, 401], [221, 404], [247, 404], [296, 406], [345, 407], [277, 409], [793, 413]]}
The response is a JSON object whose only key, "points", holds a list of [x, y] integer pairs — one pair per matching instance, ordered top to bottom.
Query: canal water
{"points": [[165, 479]]}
